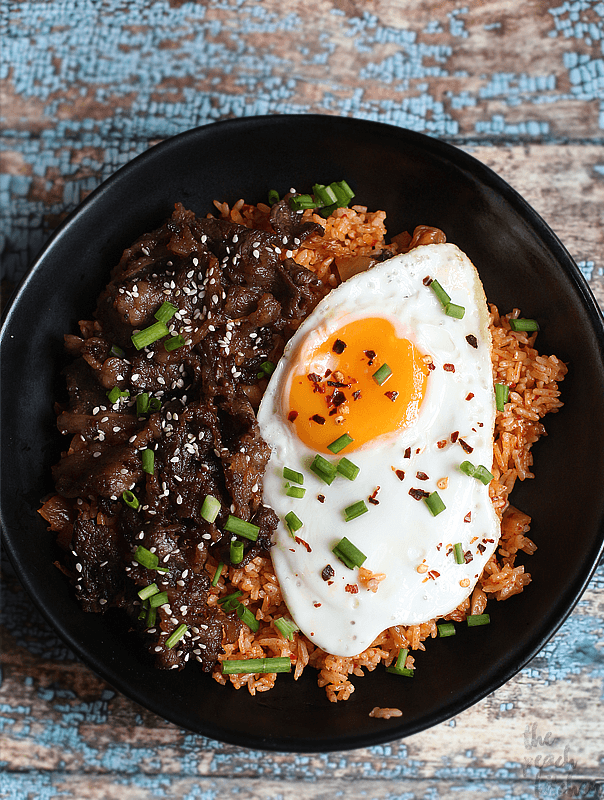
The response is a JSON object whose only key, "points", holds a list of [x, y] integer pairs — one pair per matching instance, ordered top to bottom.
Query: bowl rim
{"points": [[438, 147]]}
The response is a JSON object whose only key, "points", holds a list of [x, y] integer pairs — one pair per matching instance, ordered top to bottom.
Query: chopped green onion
{"points": [[343, 193], [324, 194], [273, 197], [301, 201], [326, 211], [440, 293], [451, 310], [165, 312], [522, 324], [149, 335], [174, 343], [116, 351], [267, 368], [381, 375], [115, 394], [502, 395], [142, 404], [154, 404], [340, 443], [148, 461], [467, 468], [324, 469], [348, 469], [482, 474], [292, 475], [294, 491], [130, 499], [434, 503], [210, 508], [355, 510], [292, 522], [241, 528], [236, 551], [348, 554], [459, 556], [145, 557], [163, 570], [218, 573], [148, 591], [228, 597], [159, 599], [144, 609], [246, 616], [151, 617], [477, 619], [286, 627], [446, 629], [176, 636], [261, 666], [399, 668], [407, 673]]}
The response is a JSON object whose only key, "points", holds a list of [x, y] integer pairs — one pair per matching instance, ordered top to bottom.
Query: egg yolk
{"points": [[336, 390]]}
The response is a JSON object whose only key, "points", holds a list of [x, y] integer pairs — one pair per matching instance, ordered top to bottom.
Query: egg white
{"points": [[400, 534]]}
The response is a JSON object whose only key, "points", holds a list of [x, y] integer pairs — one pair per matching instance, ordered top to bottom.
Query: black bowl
{"points": [[416, 179]]}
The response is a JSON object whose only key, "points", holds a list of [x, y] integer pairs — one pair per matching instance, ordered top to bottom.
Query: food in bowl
{"points": [[161, 506]]}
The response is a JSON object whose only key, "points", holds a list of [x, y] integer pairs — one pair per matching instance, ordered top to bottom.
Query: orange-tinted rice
{"points": [[533, 380]]}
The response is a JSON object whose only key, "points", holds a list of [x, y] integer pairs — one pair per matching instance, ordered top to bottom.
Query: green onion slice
{"points": [[324, 194], [273, 197], [301, 201], [440, 293], [165, 312], [457, 312], [522, 324], [149, 335], [174, 343], [116, 351], [381, 375], [114, 394], [502, 394], [142, 404], [154, 404], [340, 443], [149, 461], [467, 468], [324, 469], [348, 469], [482, 474], [292, 475], [295, 491], [131, 499], [434, 503], [210, 508], [355, 510], [292, 522], [241, 528], [236, 551], [348, 554], [459, 556], [145, 557], [218, 573], [148, 591], [228, 597], [159, 599], [246, 616], [151, 617], [478, 619], [286, 627], [446, 629], [176, 636], [261, 666], [399, 668]]}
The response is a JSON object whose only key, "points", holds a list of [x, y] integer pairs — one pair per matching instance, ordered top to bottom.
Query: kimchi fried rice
{"points": [[353, 238]]}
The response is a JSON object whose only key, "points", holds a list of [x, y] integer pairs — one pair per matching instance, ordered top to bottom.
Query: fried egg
{"points": [[381, 367]]}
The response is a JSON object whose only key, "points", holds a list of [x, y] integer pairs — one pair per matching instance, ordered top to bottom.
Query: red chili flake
{"points": [[427, 280], [472, 340], [339, 346], [371, 354], [431, 365], [449, 367], [327, 373], [312, 376], [338, 384], [318, 387], [356, 395], [391, 395], [469, 395], [338, 398], [333, 411], [292, 415], [318, 419], [480, 424], [454, 436], [442, 443], [468, 448], [407, 453], [399, 474], [421, 476], [418, 494], [372, 497], [321, 498], [468, 517], [489, 540], [303, 543], [438, 546], [481, 548], [291, 550], [467, 557], [328, 572], [434, 574], [330, 583], [351, 588], [317, 605]]}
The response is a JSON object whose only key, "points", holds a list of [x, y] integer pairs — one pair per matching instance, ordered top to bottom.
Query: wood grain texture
{"points": [[86, 86]]}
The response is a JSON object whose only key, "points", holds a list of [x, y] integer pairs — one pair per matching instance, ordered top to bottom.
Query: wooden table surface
{"points": [[87, 85]]}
